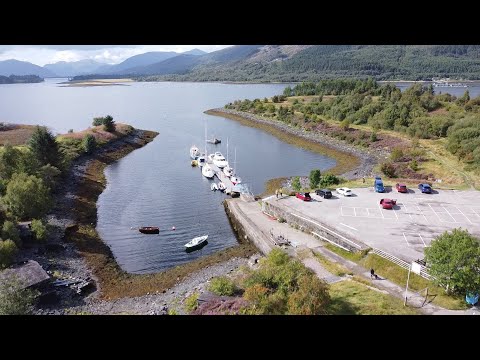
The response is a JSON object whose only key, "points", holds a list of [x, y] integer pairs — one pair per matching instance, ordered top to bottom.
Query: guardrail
{"points": [[423, 272]]}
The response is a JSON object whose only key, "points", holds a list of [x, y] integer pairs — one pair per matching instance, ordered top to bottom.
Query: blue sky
{"points": [[110, 54]]}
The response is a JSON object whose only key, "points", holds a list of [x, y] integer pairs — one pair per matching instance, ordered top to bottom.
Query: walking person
{"points": [[276, 193], [281, 193], [372, 273]]}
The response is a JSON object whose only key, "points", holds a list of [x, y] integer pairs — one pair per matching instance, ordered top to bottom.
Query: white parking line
{"points": [[380, 207], [341, 210], [355, 211], [421, 212], [461, 212], [395, 213], [408, 213], [449, 214], [439, 216], [348, 226], [421, 238], [405, 239]]}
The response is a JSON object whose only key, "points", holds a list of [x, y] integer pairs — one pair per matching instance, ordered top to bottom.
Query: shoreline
{"points": [[352, 162], [85, 254]]}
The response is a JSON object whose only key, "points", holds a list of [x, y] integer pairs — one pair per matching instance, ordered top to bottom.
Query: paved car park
{"points": [[403, 231]]}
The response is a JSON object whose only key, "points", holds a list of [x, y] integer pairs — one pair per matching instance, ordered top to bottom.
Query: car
{"points": [[378, 184], [401, 188], [425, 188], [344, 191], [325, 193], [304, 196], [388, 203]]}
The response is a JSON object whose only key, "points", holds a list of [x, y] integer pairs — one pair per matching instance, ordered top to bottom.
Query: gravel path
{"points": [[368, 158]]}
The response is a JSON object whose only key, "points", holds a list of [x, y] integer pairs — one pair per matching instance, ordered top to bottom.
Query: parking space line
{"points": [[341, 210], [355, 211], [368, 212], [421, 212], [381, 213], [395, 213], [408, 213], [449, 214], [465, 216], [348, 226], [421, 238], [405, 239]]}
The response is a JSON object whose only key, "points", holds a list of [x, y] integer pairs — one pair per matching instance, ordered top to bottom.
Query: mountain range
{"points": [[278, 63]]}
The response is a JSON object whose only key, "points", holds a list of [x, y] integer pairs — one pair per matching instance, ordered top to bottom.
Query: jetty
{"points": [[222, 177]]}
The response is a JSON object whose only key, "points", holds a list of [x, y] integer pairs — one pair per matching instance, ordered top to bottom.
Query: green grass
{"points": [[353, 256], [332, 267], [390, 271], [353, 298], [191, 302]]}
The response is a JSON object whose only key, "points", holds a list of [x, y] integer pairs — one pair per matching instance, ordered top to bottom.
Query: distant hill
{"points": [[195, 52], [138, 61], [313, 62], [16, 67], [66, 69], [20, 79]]}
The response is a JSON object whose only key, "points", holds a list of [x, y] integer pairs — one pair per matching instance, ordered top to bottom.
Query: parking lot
{"points": [[403, 231]]}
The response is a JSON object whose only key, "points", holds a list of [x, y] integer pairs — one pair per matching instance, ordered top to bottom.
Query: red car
{"points": [[401, 188], [304, 196], [388, 203]]}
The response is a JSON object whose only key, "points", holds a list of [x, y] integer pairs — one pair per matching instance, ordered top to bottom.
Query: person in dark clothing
{"points": [[372, 273]]}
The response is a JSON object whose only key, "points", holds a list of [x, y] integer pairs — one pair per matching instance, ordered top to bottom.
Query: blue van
{"points": [[378, 185]]}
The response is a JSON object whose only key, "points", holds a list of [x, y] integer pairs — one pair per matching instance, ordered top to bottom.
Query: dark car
{"points": [[401, 188], [425, 188], [327, 194], [304, 196]]}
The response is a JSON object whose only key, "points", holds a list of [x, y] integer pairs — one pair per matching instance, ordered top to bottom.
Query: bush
{"points": [[97, 121], [109, 124], [345, 124], [70, 131], [373, 137], [89, 143], [396, 154], [414, 165], [388, 169], [315, 177], [328, 180], [296, 185], [27, 196], [281, 220], [39, 230], [10, 231], [8, 250], [222, 286], [14, 300], [191, 302]]}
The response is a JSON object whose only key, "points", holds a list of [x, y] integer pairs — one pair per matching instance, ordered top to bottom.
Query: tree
{"points": [[97, 121], [108, 123], [89, 143], [44, 147], [9, 160], [388, 169], [49, 175], [315, 176], [296, 185], [27, 197], [39, 230], [10, 231], [8, 250], [453, 259], [222, 286], [311, 298], [15, 299]]}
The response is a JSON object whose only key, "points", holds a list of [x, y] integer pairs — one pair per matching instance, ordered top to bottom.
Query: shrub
{"points": [[97, 121], [109, 124], [345, 124], [70, 131], [373, 137], [89, 143], [396, 154], [414, 165], [388, 169], [315, 177], [328, 180], [296, 185], [281, 220], [39, 230], [10, 231], [8, 250], [222, 286], [14, 300], [191, 302]]}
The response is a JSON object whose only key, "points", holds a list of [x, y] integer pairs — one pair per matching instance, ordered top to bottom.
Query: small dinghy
{"points": [[194, 162], [221, 186], [214, 187], [149, 230], [196, 242]]}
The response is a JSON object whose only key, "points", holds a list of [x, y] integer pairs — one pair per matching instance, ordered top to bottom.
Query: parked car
{"points": [[378, 184], [401, 188], [425, 188], [344, 191], [325, 193], [304, 196], [388, 203]]}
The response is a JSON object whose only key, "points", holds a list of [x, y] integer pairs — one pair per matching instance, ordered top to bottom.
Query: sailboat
{"points": [[194, 152], [202, 159], [228, 170], [207, 171], [234, 178]]}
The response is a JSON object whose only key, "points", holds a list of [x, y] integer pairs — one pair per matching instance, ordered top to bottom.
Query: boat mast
{"points": [[227, 151]]}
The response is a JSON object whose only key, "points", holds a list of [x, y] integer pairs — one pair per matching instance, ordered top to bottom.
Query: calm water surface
{"points": [[156, 185]]}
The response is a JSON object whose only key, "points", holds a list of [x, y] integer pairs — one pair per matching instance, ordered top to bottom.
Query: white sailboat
{"points": [[194, 152], [219, 160], [228, 170], [207, 171], [234, 178], [221, 186], [213, 187]]}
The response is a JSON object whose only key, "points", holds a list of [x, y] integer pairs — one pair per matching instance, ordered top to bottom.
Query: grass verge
{"points": [[113, 281], [354, 298]]}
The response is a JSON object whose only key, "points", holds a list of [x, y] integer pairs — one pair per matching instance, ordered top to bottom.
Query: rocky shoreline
{"points": [[368, 158]]}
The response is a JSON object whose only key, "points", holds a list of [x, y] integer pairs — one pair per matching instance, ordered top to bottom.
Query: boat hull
{"points": [[149, 230]]}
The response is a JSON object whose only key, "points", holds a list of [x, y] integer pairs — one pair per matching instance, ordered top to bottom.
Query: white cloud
{"points": [[112, 54]]}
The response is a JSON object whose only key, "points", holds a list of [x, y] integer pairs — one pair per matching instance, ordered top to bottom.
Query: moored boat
{"points": [[214, 141], [194, 152], [219, 160], [194, 162], [207, 171], [228, 171], [221, 186], [213, 187], [149, 230], [196, 241]]}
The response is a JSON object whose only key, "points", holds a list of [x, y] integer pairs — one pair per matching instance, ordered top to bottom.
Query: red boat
{"points": [[149, 230]]}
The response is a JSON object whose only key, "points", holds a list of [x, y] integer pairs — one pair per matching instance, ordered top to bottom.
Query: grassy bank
{"points": [[15, 135], [345, 161], [396, 274], [113, 281]]}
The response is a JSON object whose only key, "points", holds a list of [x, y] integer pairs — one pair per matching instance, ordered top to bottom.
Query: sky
{"points": [[109, 54]]}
